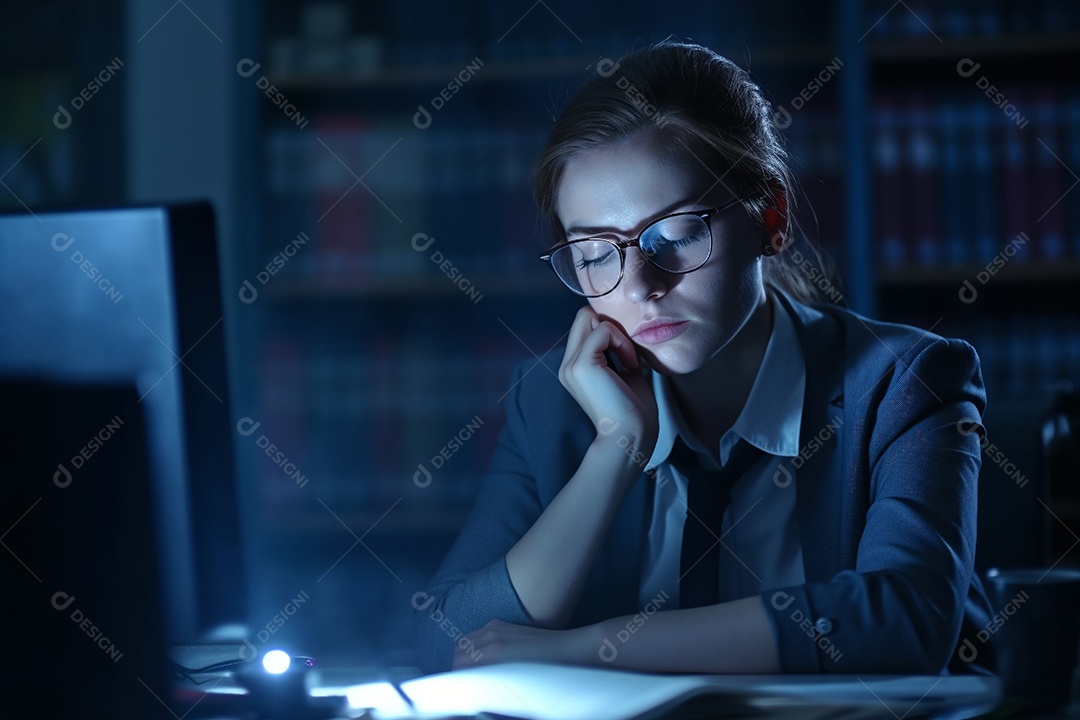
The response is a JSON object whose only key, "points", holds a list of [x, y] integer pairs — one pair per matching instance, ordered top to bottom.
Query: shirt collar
{"points": [[772, 416]]}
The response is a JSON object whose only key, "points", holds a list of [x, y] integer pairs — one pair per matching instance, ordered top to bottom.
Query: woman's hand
{"points": [[614, 399], [568, 534], [500, 641]]}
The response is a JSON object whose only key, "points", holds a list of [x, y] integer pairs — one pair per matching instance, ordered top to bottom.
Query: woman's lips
{"points": [[654, 332]]}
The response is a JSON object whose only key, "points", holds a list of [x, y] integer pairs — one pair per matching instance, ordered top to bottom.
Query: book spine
{"points": [[1072, 115], [922, 159], [888, 166], [1017, 178], [1049, 188], [953, 189], [342, 205], [985, 221]]}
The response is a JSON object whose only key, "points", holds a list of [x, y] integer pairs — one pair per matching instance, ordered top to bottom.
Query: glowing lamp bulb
{"points": [[276, 662]]}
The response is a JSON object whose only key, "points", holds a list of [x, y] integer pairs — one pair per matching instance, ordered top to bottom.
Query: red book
{"points": [[342, 232]]}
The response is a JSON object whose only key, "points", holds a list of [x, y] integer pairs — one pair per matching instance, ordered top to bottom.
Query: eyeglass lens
{"points": [[675, 244]]}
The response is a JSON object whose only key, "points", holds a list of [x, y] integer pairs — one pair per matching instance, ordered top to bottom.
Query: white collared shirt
{"points": [[760, 546]]}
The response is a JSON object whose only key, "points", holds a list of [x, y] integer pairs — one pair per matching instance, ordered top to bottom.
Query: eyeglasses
{"points": [[678, 244]]}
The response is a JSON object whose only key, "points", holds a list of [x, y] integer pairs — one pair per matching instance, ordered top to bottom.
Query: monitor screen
{"points": [[133, 295]]}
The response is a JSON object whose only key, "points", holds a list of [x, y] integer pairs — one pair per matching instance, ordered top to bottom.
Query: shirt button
{"points": [[823, 625]]}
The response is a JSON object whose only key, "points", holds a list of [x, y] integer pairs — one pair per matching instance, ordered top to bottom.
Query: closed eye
{"points": [[592, 262]]}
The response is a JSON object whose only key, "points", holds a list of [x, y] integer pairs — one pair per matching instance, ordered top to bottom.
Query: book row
{"points": [[328, 37], [957, 179], [364, 190], [371, 196], [407, 421]]}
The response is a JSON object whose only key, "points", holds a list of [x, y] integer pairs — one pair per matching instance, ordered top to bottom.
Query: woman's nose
{"points": [[642, 279]]}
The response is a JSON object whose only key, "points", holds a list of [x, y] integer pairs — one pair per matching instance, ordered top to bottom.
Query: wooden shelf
{"points": [[976, 48], [888, 51], [514, 70], [430, 75], [1017, 271], [417, 286], [400, 522]]}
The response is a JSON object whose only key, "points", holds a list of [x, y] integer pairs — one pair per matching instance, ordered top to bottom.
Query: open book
{"points": [[557, 692]]}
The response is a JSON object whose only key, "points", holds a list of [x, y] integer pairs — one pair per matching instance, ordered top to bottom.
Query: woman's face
{"points": [[677, 322]]}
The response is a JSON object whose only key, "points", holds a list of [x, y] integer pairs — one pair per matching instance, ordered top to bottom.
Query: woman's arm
{"points": [[526, 516], [515, 559], [548, 566], [733, 637]]}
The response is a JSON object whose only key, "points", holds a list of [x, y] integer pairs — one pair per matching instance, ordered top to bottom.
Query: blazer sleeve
{"points": [[472, 586], [900, 609]]}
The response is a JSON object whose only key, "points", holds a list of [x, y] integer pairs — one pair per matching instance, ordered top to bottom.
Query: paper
{"points": [[537, 691]]}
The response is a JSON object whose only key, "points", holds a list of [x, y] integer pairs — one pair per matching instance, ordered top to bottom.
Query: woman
{"points": [[610, 528]]}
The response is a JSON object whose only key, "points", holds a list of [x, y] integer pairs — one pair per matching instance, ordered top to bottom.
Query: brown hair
{"points": [[702, 100]]}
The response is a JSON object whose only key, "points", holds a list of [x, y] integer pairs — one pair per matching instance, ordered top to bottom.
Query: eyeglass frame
{"points": [[621, 245]]}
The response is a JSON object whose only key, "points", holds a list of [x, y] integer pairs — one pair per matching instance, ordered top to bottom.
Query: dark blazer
{"points": [[886, 503]]}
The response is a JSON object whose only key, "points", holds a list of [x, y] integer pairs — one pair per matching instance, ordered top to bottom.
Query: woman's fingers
{"points": [[585, 321], [605, 341], [622, 346], [603, 372], [500, 641], [482, 646]]}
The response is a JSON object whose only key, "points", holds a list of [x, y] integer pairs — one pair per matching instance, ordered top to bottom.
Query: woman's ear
{"points": [[774, 218], [774, 223]]}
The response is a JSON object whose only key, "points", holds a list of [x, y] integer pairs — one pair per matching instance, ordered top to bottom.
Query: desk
{"points": [[543, 692], [555, 692]]}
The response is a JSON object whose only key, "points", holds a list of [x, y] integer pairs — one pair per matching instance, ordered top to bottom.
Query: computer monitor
{"points": [[133, 294], [82, 592]]}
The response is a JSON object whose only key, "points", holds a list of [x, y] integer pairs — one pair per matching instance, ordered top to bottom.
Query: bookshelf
{"points": [[509, 71], [973, 106], [976, 121], [423, 228], [378, 348]]}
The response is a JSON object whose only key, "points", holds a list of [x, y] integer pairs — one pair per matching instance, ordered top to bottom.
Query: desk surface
{"points": [[553, 692]]}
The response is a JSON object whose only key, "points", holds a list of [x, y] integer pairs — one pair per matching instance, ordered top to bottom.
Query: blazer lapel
{"points": [[822, 496]]}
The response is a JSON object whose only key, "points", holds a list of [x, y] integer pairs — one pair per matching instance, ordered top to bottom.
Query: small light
{"points": [[276, 662]]}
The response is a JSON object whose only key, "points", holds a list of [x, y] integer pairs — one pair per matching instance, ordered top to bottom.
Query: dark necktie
{"points": [[708, 495]]}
